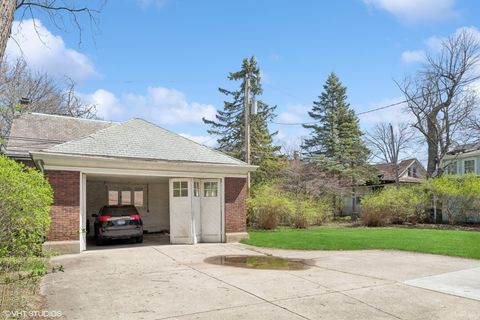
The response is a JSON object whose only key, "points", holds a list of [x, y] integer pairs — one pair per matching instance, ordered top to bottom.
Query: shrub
{"points": [[460, 196], [25, 199], [395, 205], [268, 207], [310, 211]]}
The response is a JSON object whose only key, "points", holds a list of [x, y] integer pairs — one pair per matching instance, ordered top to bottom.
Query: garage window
{"points": [[180, 188], [210, 189], [113, 197], [126, 197], [138, 197]]}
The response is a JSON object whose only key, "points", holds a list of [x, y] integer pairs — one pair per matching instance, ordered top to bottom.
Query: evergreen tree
{"points": [[229, 125], [336, 139]]}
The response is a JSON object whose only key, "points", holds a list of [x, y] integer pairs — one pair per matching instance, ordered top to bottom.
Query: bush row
{"points": [[458, 197], [270, 207]]}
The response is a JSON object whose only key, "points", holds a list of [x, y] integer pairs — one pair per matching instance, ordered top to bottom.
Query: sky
{"points": [[164, 60]]}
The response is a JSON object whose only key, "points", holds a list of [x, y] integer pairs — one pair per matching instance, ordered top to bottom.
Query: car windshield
{"points": [[119, 211]]}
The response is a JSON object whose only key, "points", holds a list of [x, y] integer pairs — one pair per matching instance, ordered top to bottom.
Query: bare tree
{"points": [[60, 13], [24, 90], [440, 95], [73, 106], [387, 143]]}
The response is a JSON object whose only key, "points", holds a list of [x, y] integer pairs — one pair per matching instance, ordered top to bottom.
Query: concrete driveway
{"points": [[172, 282]]}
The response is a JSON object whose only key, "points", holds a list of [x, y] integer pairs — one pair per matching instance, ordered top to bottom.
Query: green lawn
{"points": [[445, 242]]}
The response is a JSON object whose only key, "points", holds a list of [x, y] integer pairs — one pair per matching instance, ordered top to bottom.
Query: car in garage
{"points": [[118, 222]]}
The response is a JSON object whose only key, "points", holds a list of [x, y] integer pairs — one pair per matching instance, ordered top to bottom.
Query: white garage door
{"points": [[195, 210], [181, 211], [211, 213]]}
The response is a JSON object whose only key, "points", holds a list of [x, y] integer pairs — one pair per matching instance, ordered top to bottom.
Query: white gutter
{"points": [[97, 164]]}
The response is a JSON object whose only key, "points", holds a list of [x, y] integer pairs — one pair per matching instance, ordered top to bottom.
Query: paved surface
{"points": [[172, 282], [464, 283]]}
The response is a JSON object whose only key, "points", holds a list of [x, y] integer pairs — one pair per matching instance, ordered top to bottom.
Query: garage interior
{"points": [[149, 194], [173, 210]]}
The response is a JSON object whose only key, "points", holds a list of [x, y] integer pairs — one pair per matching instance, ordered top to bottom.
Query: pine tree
{"points": [[230, 124], [336, 139]]}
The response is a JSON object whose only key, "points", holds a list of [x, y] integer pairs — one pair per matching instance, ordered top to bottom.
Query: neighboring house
{"points": [[463, 159], [409, 171], [195, 193]]}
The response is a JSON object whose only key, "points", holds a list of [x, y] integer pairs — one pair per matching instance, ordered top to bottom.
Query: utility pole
{"points": [[246, 105], [395, 155]]}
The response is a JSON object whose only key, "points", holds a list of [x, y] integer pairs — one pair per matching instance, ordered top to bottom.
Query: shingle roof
{"points": [[37, 131], [140, 139], [387, 171]]}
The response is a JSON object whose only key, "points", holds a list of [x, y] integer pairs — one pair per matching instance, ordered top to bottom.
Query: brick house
{"points": [[195, 193]]}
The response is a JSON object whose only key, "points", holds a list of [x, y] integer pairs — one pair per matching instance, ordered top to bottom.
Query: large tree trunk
{"points": [[7, 10], [432, 143]]}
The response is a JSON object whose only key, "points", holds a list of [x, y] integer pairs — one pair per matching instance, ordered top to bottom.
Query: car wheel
{"points": [[139, 239]]}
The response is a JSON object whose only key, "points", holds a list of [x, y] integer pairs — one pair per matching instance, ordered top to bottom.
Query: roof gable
{"points": [[387, 170]]}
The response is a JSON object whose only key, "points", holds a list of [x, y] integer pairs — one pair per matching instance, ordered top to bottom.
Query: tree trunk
{"points": [[7, 10], [432, 143]]}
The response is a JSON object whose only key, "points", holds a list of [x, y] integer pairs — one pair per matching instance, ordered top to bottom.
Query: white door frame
{"points": [[83, 212]]}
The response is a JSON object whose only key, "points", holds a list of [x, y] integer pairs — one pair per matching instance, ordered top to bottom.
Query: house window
{"points": [[469, 166], [452, 168], [414, 171], [409, 172], [180, 188], [196, 189], [210, 189], [113, 197], [126, 197], [138, 197], [358, 200]]}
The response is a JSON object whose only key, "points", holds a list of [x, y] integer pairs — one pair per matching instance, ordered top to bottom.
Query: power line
{"points": [[461, 83]]}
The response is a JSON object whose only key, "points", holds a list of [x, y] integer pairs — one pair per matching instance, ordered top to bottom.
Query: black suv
{"points": [[118, 222]]}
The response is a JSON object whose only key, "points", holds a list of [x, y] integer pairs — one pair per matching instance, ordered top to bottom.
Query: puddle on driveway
{"points": [[259, 262]]}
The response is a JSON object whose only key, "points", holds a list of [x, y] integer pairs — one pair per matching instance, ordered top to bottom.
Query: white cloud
{"points": [[416, 10], [433, 45], [46, 52], [413, 56], [107, 104], [159, 104], [294, 113], [208, 141]]}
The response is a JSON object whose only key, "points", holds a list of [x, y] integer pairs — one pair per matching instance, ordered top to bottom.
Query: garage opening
{"points": [[149, 195]]}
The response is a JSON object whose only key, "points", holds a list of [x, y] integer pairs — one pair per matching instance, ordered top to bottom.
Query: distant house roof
{"points": [[37, 131], [134, 138], [465, 148], [387, 171]]}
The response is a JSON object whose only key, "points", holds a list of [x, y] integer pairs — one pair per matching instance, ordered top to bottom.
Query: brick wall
{"points": [[235, 205], [65, 211]]}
